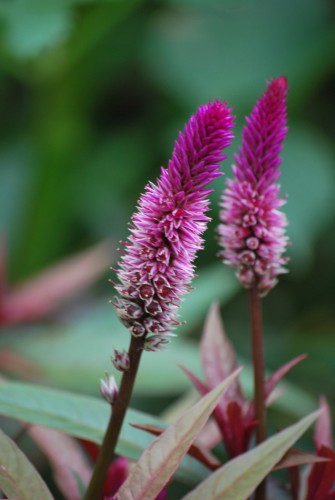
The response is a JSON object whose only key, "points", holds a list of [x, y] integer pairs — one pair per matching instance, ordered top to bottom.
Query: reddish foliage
{"points": [[43, 294], [234, 416], [196, 451], [117, 472], [322, 477]]}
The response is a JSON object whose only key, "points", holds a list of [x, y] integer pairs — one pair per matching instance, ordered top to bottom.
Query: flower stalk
{"points": [[252, 233], [157, 267], [255, 306], [115, 423]]}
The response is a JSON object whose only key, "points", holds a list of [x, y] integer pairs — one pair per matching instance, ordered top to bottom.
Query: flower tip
{"points": [[282, 81], [279, 85], [220, 110], [252, 231]]}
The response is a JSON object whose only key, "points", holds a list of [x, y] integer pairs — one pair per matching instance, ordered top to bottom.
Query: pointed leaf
{"points": [[42, 294], [218, 356], [276, 377], [198, 384], [84, 417], [235, 426], [323, 433], [210, 435], [196, 450], [295, 457], [66, 458], [161, 459], [239, 477], [18, 478]]}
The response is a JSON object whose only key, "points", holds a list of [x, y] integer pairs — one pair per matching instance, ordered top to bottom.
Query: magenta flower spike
{"points": [[252, 232], [157, 266]]}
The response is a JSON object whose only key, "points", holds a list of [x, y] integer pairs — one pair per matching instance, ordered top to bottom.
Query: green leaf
{"points": [[87, 343], [81, 416], [84, 417], [160, 460], [239, 477], [18, 478]]}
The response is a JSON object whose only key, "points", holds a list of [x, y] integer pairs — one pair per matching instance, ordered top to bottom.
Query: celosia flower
{"points": [[253, 231], [157, 266]]}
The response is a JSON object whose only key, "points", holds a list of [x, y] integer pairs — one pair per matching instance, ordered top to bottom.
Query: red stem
{"points": [[255, 304]]}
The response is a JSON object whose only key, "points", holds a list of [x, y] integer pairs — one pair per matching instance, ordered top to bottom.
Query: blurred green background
{"points": [[92, 95]]}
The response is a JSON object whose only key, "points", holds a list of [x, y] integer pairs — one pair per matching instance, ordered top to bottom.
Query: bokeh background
{"points": [[92, 95]]}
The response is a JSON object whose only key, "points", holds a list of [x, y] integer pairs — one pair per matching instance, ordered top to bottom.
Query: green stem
{"points": [[255, 304], [115, 423]]}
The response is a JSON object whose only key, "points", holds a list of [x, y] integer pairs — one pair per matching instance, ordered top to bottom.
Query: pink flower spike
{"points": [[252, 233], [156, 267]]}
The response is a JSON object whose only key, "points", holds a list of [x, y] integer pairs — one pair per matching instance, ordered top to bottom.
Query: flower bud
{"points": [[120, 360], [109, 388]]}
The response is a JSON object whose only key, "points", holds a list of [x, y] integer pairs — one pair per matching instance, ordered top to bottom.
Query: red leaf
{"points": [[42, 294], [218, 357], [219, 361], [274, 379], [198, 384], [236, 429], [323, 432], [91, 448], [196, 450], [294, 474], [322, 476]]}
